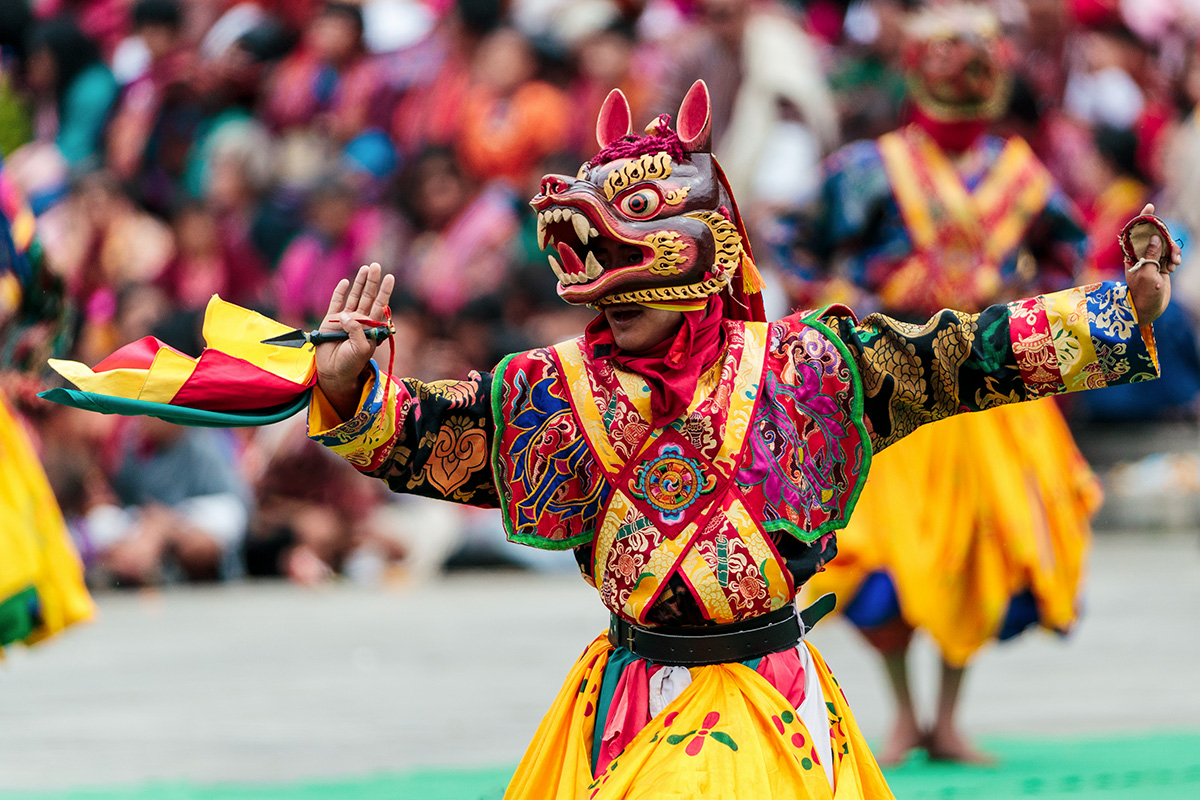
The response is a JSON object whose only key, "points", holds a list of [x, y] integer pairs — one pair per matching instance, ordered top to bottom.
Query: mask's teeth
{"points": [[579, 221], [541, 231], [593, 232], [591, 266], [558, 270]]}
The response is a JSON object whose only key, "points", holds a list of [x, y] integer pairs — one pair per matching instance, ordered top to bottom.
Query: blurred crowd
{"points": [[264, 149]]}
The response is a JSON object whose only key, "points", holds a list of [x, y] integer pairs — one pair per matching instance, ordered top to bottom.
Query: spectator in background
{"points": [[106, 22], [605, 61], [763, 75], [434, 76], [865, 78], [329, 85], [1101, 87], [74, 89], [156, 120], [509, 120], [16, 127], [234, 175], [1119, 188], [341, 234], [99, 239], [463, 244], [204, 265], [177, 504], [313, 513]]}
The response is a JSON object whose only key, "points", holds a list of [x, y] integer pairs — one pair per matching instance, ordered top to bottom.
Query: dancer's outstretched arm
{"points": [[1083, 338], [430, 439]]}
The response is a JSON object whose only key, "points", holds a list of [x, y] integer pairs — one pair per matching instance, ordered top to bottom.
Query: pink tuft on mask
{"points": [[633, 146]]}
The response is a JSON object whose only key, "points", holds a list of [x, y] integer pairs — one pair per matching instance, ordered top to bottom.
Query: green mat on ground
{"points": [[1159, 766]]}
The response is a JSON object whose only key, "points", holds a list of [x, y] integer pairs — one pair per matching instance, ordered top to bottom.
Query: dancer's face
{"points": [[638, 328]]}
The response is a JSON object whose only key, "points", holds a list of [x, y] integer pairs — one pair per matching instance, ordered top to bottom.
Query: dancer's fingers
{"points": [[1154, 249], [356, 289], [370, 289], [384, 297], [337, 302], [355, 330]]}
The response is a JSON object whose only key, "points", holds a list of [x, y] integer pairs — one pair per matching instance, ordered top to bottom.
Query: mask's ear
{"points": [[695, 119], [615, 120]]}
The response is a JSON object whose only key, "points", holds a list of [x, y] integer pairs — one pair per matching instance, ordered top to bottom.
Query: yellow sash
{"points": [[960, 237]]}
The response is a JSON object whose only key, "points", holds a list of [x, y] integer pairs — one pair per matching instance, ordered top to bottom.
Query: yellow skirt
{"points": [[966, 513], [39, 569], [729, 734]]}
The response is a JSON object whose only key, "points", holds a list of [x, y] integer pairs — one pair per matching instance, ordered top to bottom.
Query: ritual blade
{"points": [[296, 338]]}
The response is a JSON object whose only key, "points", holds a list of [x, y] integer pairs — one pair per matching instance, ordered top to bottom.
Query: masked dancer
{"points": [[696, 458], [977, 528]]}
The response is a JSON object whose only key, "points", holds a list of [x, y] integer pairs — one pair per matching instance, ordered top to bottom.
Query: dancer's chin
{"points": [[637, 328]]}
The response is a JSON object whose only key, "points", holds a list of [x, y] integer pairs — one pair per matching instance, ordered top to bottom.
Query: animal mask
{"points": [[958, 63], [649, 219]]}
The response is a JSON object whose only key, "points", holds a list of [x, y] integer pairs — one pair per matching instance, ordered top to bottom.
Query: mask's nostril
{"points": [[552, 184]]}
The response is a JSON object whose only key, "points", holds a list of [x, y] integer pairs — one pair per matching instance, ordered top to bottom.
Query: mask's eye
{"points": [[640, 204]]}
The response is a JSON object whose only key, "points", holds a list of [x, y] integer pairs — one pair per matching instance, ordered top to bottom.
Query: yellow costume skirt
{"points": [[966, 514], [41, 578], [729, 734]]}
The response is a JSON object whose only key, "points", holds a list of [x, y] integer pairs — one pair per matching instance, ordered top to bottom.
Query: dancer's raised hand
{"points": [[1149, 275], [341, 366]]}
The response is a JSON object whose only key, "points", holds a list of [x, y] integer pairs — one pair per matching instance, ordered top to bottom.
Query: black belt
{"points": [[720, 644]]}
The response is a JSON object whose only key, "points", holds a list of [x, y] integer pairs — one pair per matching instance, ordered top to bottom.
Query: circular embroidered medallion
{"points": [[671, 482]]}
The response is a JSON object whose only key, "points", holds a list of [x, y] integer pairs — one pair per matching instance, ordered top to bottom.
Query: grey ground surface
{"points": [[267, 682]]}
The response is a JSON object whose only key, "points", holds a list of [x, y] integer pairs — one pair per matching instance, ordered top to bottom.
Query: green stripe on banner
{"points": [[180, 415], [1162, 766]]}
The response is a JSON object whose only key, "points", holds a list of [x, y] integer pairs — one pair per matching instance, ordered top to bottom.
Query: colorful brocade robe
{"points": [[917, 231], [723, 514]]}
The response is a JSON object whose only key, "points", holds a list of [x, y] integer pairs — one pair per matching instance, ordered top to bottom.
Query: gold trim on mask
{"points": [[651, 166], [676, 196], [726, 238], [668, 252], [729, 256], [661, 294]]}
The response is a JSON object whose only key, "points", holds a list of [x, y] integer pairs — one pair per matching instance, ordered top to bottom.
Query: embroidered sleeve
{"points": [[1081, 338], [430, 439]]}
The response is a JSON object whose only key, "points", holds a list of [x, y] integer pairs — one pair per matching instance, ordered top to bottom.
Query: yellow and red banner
{"points": [[235, 372]]}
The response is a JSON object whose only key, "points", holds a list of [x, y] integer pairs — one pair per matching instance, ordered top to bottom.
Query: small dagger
{"points": [[299, 338]]}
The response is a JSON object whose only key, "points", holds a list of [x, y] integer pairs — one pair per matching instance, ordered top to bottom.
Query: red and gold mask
{"points": [[958, 63], [650, 219]]}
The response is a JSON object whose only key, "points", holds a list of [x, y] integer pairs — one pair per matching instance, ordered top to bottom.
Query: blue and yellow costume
{"points": [[965, 546]]}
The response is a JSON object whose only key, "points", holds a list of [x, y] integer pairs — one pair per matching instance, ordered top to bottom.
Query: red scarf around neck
{"points": [[954, 137], [673, 367]]}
